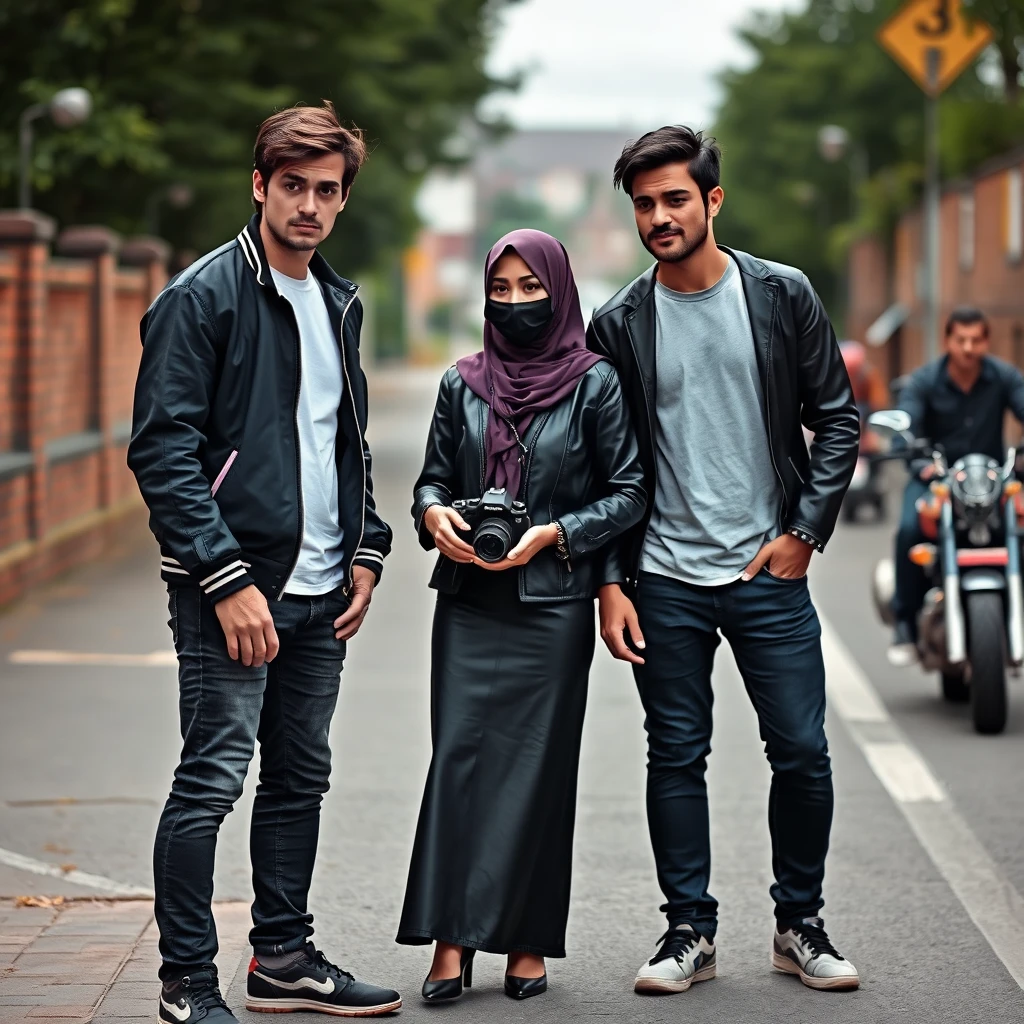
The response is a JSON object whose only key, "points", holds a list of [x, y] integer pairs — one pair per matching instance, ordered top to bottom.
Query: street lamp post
{"points": [[68, 108], [834, 143], [179, 196]]}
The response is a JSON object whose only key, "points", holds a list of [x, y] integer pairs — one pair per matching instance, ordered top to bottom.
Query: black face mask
{"points": [[521, 323]]}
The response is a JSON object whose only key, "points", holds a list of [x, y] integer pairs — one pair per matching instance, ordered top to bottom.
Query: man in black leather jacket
{"points": [[723, 358], [958, 401], [248, 447]]}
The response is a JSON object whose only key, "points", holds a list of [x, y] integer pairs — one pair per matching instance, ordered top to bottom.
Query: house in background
{"points": [[555, 180], [981, 264]]}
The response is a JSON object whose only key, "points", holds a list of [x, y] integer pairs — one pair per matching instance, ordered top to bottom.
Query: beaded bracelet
{"points": [[561, 544]]}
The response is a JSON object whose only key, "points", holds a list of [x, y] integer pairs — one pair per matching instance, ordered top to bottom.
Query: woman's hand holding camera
{"points": [[441, 522], [444, 524], [535, 539]]}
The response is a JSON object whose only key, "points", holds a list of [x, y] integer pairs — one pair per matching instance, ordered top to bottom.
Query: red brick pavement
{"points": [[93, 960]]}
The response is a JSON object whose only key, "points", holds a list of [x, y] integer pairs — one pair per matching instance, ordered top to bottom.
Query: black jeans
{"points": [[911, 582], [774, 633], [225, 708]]}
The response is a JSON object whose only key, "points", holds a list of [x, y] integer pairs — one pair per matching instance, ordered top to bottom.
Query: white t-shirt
{"points": [[321, 565]]}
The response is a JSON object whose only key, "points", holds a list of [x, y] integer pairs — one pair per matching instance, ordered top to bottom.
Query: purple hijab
{"points": [[518, 382]]}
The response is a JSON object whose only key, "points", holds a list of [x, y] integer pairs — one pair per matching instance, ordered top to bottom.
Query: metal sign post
{"points": [[933, 42], [932, 200]]}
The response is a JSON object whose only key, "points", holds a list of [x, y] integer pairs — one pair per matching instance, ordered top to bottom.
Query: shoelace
{"points": [[813, 936], [676, 942], [320, 961], [206, 994]]}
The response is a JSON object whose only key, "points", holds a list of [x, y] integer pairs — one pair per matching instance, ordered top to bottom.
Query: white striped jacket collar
{"points": [[251, 244]]}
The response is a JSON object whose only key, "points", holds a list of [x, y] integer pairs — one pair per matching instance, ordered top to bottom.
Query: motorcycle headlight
{"points": [[979, 535]]}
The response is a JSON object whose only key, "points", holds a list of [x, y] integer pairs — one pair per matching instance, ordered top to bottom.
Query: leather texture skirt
{"points": [[492, 860]]}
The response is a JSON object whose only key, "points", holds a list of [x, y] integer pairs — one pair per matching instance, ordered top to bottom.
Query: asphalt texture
{"points": [[87, 752]]}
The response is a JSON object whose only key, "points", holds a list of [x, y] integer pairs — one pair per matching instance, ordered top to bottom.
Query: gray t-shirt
{"points": [[718, 497], [320, 566]]}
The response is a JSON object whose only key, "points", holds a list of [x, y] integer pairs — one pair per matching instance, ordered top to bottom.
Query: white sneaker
{"points": [[902, 652], [902, 655], [804, 950], [684, 958]]}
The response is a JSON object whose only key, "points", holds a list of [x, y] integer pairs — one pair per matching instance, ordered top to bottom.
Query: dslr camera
{"points": [[498, 523]]}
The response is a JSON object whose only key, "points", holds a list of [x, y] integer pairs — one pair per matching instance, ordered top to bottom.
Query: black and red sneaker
{"points": [[314, 984], [193, 999]]}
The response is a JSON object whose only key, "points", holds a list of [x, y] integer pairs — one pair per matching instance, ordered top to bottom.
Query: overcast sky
{"points": [[629, 63]]}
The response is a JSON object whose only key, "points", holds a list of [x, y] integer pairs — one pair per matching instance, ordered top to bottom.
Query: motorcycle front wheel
{"points": [[986, 634]]}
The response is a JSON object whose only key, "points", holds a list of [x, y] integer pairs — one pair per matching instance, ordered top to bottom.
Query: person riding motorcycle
{"points": [[959, 402]]}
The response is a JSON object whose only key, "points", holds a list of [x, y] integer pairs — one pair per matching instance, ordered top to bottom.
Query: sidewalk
{"points": [[92, 960]]}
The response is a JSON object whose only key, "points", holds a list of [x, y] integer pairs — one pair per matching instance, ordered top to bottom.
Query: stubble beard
{"points": [[295, 244], [687, 249]]}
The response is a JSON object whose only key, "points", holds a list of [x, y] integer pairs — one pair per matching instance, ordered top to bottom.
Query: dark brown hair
{"points": [[301, 132], [669, 145], [966, 316]]}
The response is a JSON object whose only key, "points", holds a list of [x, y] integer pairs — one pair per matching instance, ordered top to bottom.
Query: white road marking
{"points": [[157, 659], [849, 690], [903, 773], [97, 882], [988, 896]]}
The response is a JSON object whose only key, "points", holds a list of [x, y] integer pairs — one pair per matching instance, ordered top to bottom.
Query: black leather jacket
{"points": [[803, 377], [215, 446], [582, 470]]}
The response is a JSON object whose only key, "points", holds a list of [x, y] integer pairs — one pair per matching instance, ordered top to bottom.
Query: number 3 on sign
{"points": [[940, 22], [939, 28]]}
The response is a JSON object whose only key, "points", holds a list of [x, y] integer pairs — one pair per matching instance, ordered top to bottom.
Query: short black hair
{"points": [[672, 144], [966, 316]]}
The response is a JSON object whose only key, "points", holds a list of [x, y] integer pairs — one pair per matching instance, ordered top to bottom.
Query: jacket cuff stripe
{"points": [[368, 554], [237, 564], [174, 569], [226, 579]]}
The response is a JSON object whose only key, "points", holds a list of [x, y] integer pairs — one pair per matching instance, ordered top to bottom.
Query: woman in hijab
{"points": [[538, 416]]}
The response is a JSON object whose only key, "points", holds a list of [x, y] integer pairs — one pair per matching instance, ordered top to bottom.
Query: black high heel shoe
{"points": [[451, 988], [523, 988]]}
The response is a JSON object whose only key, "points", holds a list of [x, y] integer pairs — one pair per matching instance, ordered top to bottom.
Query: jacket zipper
{"points": [[768, 414], [651, 431], [362, 452], [298, 456], [529, 457], [527, 464], [558, 477]]}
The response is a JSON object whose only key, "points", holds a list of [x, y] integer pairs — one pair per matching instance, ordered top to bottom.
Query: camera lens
{"points": [[492, 541]]}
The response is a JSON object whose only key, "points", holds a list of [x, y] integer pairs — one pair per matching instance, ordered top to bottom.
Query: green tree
{"points": [[1006, 17], [823, 65], [816, 67], [180, 87]]}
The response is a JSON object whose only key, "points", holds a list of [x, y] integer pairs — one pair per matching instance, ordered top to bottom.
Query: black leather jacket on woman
{"points": [[583, 470]]}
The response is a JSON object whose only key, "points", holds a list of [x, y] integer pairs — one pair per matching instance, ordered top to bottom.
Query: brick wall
{"points": [[979, 265], [69, 351]]}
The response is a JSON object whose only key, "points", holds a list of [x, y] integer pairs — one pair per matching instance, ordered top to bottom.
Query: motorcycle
{"points": [[972, 624]]}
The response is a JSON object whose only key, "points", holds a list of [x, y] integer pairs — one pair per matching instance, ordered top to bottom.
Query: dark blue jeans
{"points": [[911, 582], [774, 633], [225, 708]]}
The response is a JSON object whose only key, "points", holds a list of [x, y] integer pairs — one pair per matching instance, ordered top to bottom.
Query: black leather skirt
{"points": [[492, 859]]}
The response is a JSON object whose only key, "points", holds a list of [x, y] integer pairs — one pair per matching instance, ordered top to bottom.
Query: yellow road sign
{"points": [[933, 42]]}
